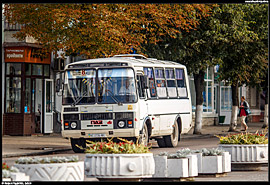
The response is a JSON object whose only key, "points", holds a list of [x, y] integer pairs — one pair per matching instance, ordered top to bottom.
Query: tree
{"points": [[98, 30], [243, 47], [197, 50]]}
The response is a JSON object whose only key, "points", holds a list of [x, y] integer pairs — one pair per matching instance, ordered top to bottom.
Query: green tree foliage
{"points": [[234, 36]]}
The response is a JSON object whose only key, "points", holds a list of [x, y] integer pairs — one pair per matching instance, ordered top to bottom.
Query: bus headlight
{"points": [[121, 124], [73, 125]]}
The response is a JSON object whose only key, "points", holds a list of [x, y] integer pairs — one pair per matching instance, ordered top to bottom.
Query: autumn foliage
{"points": [[102, 30]]}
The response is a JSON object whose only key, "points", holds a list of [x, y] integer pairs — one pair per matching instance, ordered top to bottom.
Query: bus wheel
{"points": [[144, 137], [172, 140], [80, 142], [161, 143]]}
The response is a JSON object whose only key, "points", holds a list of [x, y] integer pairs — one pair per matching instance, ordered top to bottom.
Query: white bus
{"points": [[127, 96]]}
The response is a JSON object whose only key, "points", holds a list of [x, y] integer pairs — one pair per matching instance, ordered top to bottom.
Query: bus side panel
{"points": [[166, 110]]}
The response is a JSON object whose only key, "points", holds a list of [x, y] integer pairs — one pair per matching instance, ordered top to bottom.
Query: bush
{"points": [[244, 138]]}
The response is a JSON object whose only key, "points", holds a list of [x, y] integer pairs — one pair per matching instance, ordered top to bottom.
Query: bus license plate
{"points": [[97, 135]]}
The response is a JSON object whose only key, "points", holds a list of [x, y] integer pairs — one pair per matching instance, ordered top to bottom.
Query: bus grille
{"points": [[70, 109], [123, 115], [96, 116], [71, 117]]}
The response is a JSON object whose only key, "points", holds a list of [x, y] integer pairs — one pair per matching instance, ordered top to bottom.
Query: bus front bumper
{"points": [[100, 133]]}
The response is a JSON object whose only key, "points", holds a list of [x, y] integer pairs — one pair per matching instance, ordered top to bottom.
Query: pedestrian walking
{"points": [[244, 111]]}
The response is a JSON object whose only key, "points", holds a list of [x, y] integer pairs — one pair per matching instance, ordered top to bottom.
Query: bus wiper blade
{"points": [[114, 98], [78, 99]]}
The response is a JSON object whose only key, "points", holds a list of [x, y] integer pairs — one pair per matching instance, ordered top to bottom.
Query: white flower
{"points": [[38, 160], [14, 169], [5, 173]]}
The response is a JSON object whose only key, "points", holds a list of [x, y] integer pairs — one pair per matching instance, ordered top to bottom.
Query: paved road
{"points": [[192, 143]]}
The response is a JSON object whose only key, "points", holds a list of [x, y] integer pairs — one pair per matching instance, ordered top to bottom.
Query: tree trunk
{"points": [[199, 86], [234, 113]]}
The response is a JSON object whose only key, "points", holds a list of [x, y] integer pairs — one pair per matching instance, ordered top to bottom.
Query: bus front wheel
{"points": [[144, 137], [80, 142]]}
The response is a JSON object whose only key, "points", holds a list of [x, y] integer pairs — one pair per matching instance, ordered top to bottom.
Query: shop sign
{"points": [[14, 53], [25, 54]]}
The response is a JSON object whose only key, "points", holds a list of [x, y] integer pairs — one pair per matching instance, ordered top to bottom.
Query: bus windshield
{"points": [[115, 85], [80, 86]]}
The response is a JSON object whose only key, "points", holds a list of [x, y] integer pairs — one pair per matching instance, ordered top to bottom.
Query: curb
{"points": [[35, 153]]}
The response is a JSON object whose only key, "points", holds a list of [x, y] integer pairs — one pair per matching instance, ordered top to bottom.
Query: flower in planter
{"points": [[244, 138], [110, 147], [46, 160], [6, 170]]}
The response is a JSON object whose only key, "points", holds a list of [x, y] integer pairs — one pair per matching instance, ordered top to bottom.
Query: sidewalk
{"points": [[14, 146]]}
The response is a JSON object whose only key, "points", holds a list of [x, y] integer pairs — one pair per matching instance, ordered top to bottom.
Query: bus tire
{"points": [[144, 137], [172, 140], [80, 142], [161, 143]]}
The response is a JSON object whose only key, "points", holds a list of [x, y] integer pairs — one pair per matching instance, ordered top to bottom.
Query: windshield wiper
{"points": [[114, 98], [78, 99]]}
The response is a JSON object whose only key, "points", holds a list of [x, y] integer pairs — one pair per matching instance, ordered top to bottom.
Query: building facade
{"points": [[217, 105]]}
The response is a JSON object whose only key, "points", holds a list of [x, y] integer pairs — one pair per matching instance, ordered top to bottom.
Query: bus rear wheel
{"points": [[172, 140], [80, 142]]}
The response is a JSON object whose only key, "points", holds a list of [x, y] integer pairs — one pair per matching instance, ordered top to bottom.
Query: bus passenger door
{"points": [[143, 104]]}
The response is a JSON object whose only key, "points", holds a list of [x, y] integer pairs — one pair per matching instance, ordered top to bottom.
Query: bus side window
{"points": [[161, 84], [139, 85], [181, 85], [152, 87], [172, 93]]}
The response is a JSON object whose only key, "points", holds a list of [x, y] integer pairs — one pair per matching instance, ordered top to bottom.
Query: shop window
{"points": [[13, 69], [28, 69], [37, 69], [47, 70], [170, 77], [161, 84], [152, 88], [208, 93], [13, 94], [27, 95], [226, 96], [207, 97]]}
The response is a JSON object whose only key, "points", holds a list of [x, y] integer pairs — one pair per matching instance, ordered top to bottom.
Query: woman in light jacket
{"points": [[243, 113]]}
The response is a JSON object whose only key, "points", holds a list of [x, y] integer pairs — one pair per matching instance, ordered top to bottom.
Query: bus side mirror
{"points": [[145, 82], [58, 85]]}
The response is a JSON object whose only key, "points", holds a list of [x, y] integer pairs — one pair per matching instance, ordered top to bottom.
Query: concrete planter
{"points": [[247, 153], [199, 162], [226, 162], [211, 164], [192, 165], [119, 166], [161, 166], [178, 168], [73, 171], [17, 176]]}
